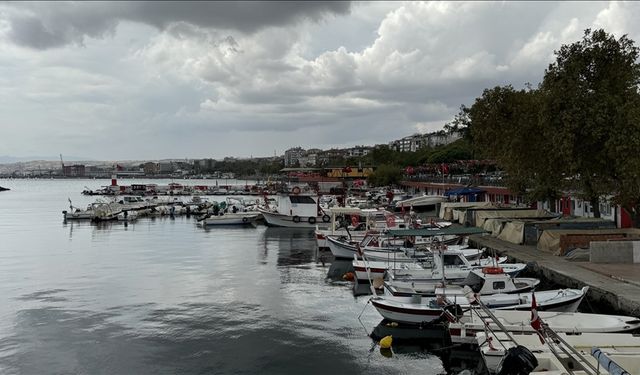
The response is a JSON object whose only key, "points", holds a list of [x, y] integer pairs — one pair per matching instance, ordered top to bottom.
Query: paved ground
{"points": [[614, 285]]}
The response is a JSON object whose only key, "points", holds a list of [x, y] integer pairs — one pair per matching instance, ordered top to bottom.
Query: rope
{"points": [[360, 316]]}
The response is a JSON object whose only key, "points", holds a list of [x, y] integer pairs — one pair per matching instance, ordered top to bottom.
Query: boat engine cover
{"points": [[518, 361]]}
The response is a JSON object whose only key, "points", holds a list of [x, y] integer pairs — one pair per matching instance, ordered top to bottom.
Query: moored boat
{"points": [[295, 210], [240, 218], [422, 310], [463, 329]]}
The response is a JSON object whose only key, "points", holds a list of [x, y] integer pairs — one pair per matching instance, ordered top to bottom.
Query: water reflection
{"points": [[295, 246], [338, 269], [189, 338], [433, 340]]}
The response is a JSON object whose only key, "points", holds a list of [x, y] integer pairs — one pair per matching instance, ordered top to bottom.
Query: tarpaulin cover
{"points": [[446, 208], [481, 216], [493, 226], [513, 231], [435, 232], [550, 238]]}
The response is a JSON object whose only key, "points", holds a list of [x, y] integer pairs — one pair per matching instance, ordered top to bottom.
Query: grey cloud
{"points": [[57, 24]]}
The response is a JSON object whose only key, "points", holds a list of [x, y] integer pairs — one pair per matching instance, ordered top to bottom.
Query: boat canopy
{"points": [[345, 210], [424, 232]]}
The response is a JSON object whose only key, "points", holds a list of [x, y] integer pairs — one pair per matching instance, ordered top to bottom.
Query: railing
{"points": [[461, 180]]}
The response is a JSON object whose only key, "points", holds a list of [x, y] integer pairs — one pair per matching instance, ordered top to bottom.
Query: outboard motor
{"points": [[518, 361]]}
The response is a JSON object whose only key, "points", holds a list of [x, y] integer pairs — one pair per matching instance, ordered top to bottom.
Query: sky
{"points": [[155, 80]]}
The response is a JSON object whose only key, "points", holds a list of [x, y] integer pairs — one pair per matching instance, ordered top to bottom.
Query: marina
{"points": [[287, 268]]}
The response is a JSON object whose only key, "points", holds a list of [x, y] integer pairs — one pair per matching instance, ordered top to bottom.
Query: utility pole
{"points": [[62, 163]]}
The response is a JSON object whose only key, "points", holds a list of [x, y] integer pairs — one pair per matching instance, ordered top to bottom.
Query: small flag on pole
{"points": [[536, 322]]}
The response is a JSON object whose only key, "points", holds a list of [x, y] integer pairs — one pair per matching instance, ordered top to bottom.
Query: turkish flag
{"points": [[536, 322]]}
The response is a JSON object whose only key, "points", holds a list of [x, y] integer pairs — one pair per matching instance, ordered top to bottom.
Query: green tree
{"points": [[589, 113], [505, 126], [385, 175]]}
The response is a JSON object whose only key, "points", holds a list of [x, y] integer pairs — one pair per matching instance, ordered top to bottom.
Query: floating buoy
{"points": [[492, 270], [348, 276], [385, 342]]}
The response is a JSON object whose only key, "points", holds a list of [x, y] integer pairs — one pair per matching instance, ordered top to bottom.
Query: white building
{"points": [[292, 156]]}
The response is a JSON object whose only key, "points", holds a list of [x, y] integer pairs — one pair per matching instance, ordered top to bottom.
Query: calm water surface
{"points": [[164, 296]]}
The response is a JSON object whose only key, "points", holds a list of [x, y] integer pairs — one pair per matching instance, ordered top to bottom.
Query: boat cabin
{"points": [[298, 205]]}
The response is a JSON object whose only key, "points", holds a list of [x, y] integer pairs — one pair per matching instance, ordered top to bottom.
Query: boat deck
{"points": [[614, 285]]}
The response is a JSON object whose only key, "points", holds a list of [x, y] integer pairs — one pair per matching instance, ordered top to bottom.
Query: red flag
{"points": [[536, 322]]}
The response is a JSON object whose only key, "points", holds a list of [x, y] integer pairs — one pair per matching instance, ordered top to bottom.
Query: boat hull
{"points": [[230, 219], [278, 220], [415, 312], [405, 313], [519, 322]]}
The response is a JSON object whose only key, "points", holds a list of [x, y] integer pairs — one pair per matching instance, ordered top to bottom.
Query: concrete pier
{"points": [[613, 286]]}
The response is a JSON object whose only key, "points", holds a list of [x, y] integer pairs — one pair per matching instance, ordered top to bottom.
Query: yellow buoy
{"points": [[385, 342]]}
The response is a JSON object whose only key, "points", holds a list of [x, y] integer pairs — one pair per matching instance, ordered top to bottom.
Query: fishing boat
{"points": [[295, 210], [97, 211], [240, 218], [355, 228], [379, 245], [451, 263], [479, 280], [425, 309], [463, 328], [540, 349], [563, 352]]}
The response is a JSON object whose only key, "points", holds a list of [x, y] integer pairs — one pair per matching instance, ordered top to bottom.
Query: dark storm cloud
{"points": [[56, 24]]}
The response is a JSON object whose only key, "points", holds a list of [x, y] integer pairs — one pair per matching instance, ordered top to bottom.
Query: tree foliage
{"points": [[589, 111], [506, 128], [579, 130], [385, 175]]}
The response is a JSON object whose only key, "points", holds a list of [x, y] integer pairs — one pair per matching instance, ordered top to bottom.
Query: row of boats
{"points": [[429, 276]]}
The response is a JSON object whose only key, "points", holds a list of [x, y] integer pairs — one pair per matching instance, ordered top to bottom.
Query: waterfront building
{"points": [[292, 156]]}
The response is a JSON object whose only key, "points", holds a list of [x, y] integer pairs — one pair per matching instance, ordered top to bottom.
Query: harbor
{"points": [[433, 188], [252, 274]]}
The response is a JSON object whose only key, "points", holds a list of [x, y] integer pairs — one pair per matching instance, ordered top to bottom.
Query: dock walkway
{"points": [[614, 285]]}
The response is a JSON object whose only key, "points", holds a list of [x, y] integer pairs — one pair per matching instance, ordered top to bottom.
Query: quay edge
{"points": [[614, 295]]}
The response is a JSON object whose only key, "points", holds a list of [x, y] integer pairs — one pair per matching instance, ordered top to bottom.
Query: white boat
{"points": [[423, 201], [97, 211], [295, 211], [241, 218], [367, 219], [378, 247], [456, 267], [480, 281], [422, 310], [463, 329], [565, 353]]}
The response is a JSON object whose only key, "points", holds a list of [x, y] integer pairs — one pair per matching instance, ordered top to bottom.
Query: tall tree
{"points": [[588, 95], [504, 125]]}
